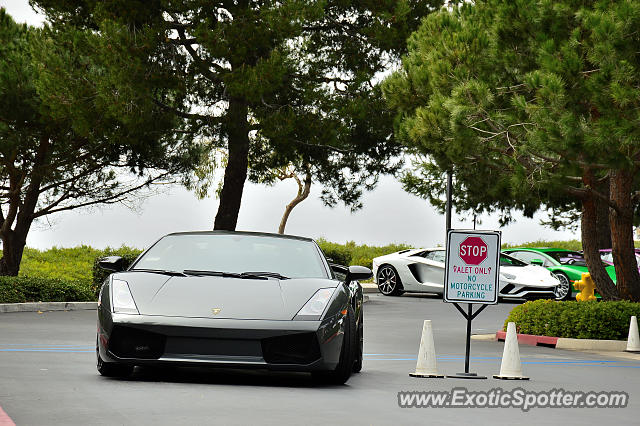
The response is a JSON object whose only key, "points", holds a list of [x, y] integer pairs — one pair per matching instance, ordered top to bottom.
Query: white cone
{"points": [[633, 341], [426, 365], [511, 368]]}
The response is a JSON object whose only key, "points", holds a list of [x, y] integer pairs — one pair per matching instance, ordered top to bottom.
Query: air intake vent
{"points": [[127, 342], [302, 348]]}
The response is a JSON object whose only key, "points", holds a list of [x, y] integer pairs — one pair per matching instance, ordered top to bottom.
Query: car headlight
{"points": [[507, 276], [121, 298], [313, 309]]}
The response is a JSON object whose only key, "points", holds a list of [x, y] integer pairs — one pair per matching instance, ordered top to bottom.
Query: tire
{"points": [[389, 282], [564, 290], [357, 363], [111, 369], [343, 370]]}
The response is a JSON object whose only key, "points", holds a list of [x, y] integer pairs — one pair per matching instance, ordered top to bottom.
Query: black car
{"points": [[231, 299]]}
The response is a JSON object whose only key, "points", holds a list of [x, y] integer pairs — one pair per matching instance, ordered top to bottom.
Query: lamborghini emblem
{"points": [[215, 311]]}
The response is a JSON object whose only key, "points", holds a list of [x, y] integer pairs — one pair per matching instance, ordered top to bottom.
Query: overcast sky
{"points": [[389, 214]]}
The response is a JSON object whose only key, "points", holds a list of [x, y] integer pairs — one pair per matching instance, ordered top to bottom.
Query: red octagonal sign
{"points": [[473, 251]]}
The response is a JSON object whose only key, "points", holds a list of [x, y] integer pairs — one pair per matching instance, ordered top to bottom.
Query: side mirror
{"points": [[538, 262], [112, 263], [340, 271], [358, 273]]}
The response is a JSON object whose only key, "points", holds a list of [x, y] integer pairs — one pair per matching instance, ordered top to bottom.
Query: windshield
{"points": [[235, 253], [568, 257], [510, 261]]}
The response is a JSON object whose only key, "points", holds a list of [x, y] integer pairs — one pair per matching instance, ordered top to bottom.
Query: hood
{"points": [[530, 275], [199, 297]]}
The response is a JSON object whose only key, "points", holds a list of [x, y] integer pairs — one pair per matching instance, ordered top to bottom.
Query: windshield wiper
{"points": [[161, 271], [267, 274], [243, 275]]}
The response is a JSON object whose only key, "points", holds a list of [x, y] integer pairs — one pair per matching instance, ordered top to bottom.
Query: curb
{"points": [[369, 288], [47, 306], [530, 339], [568, 344]]}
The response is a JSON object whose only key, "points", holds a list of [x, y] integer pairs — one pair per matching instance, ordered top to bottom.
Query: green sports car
{"points": [[566, 265]]}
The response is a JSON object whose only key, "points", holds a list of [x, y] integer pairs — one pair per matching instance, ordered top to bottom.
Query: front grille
{"points": [[128, 342], [301, 348]]}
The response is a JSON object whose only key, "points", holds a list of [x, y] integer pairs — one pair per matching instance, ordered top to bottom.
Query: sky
{"points": [[390, 215]]}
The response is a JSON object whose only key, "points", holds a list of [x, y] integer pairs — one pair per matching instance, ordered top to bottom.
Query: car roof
{"points": [[248, 233]]}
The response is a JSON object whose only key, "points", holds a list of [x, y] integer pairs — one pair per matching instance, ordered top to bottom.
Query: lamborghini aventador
{"points": [[422, 270], [231, 299]]}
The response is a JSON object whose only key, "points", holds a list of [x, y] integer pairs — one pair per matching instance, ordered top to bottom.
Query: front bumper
{"points": [[521, 291], [229, 343]]}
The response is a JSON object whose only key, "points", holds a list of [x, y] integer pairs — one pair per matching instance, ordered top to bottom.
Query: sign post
{"points": [[472, 269]]}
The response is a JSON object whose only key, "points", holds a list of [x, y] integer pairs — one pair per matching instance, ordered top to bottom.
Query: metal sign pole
{"points": [[469, 316]]}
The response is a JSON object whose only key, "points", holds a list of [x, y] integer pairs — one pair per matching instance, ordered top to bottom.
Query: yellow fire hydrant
{"points": [[586, 286]]}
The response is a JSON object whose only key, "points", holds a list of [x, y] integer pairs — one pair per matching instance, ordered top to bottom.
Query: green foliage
{"points": [[274, 83], [518, 98], [68, 137], [569, 245], [128, 254], [352, 254], [67, 264], [39, 289], [581, 320]]}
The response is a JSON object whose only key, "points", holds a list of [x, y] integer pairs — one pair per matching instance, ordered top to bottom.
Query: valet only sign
{"points": [[472, 267]]}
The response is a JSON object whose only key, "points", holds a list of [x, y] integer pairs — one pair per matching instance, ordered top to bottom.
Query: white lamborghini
{"points": [[422, 271]]}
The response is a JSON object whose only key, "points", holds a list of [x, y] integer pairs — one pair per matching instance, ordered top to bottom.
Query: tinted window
{"points": [[235, 253], [436, 255], [528, 256], [568, 257], [510, 261]]}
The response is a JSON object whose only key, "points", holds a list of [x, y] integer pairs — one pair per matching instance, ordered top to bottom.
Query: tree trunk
{"points": [[235, 174], [303, 193], [621, 217], [603, 228], [12, 249], [604, 284]]}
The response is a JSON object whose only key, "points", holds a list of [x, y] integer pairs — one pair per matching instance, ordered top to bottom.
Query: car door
{"points": [[429, 268]]}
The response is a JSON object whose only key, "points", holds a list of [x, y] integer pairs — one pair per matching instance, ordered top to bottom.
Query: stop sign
{"points": [[473, 250]]}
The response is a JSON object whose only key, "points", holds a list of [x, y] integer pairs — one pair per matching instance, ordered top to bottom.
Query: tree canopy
{"points": [[272, 83], [530, 104], [61, 145]]}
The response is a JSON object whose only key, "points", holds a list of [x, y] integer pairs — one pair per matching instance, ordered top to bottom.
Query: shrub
{"points": [[337, 253], [128, 254], [352, 254], [36, 289], [581, 320]]}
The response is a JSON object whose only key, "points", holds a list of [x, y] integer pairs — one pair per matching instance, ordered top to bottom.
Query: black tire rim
{"points": [[387, 280], [561, 291]]}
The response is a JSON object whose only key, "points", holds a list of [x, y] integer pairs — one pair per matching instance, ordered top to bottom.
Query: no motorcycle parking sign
{"points": [[472, 267]]}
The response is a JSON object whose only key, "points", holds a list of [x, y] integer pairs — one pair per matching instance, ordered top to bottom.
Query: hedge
{"points": [[37, 289], [580, 320]]}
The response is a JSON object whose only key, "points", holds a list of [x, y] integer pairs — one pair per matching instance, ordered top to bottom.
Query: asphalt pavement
{"points": [[48, 377]]}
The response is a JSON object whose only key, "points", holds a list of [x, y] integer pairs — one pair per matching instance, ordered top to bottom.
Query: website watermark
{"points": [[515, 398]]}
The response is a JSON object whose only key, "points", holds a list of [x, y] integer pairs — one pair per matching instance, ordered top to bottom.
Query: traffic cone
{"points": [[633, 341], [426, 365], [511, 368]]}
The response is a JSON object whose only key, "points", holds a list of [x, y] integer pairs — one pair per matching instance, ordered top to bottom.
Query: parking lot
{"points": [[48, 376]]}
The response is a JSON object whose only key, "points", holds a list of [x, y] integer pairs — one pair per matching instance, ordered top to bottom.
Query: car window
{"points": [[237, 253], [436, 255], [528, 256], [506, 260]]}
